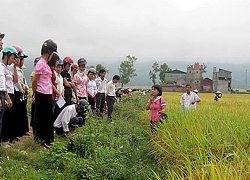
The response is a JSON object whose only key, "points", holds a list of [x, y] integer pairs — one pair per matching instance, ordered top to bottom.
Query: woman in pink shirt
{"points": [[81, 80], [42, 86], [156, 104]]}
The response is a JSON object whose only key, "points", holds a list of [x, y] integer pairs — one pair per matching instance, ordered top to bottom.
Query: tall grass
{"points": [[209, 143]]}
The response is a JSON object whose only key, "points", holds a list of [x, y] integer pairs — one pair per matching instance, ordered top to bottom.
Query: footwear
{"points": [[110, 118], [5, 145], [46, 146], [42, 147]]}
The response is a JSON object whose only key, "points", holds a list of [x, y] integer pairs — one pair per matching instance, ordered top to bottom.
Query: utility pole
{"points": [[246, 79]]}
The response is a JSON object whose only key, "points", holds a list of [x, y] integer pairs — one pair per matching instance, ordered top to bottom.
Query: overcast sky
{"points": [[181, 29]]}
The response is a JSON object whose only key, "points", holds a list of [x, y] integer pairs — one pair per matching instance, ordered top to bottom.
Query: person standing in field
{"points": [[10, 57], [74, 69], [80, 79], [101, 83], [68, 84], [60, 87], [91, 87], [42, 88], [7, 93], [111, 95], [189, 99], [33, 104], [157, 105]]}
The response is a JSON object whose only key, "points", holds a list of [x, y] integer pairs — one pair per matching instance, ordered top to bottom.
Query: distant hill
{"points": [[144, 65]]}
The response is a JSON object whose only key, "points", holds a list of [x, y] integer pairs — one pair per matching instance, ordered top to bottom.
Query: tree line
{"points": [[127, 71]]}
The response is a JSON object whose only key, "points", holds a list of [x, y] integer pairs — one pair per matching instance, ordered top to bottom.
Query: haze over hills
{"points": [[240, 71]]}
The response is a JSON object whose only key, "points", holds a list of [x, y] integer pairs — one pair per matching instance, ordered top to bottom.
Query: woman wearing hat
{"points": [[9, 55], [42, 86]]}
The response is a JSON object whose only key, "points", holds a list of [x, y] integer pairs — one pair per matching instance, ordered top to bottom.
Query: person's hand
{"points": [[72, 84], [151, 98], [33, 99], [193, 102], [9, 103], [161, 112]]}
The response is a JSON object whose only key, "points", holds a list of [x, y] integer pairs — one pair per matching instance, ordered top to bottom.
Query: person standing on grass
{"points": [[9, 57], [74, 69], [81, 80], [67, 81], [101, 83], [60, 87], [2, 88], [42, 88], [91, 88], [19, 91], [111, 95], [189, 99], [33, 104], [157, 105], [24, 123]]}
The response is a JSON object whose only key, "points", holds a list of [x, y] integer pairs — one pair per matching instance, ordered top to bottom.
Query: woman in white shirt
{"points": [[9, 55]]}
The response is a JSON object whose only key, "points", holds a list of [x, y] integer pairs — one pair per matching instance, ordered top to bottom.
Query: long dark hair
{"points": [[53, 60]]}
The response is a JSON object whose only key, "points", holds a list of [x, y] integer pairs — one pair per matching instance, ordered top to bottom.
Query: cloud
{"points": [[110, 28]]}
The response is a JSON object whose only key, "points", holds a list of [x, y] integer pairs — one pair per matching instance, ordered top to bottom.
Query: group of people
{"points": [[53, 80], [157, 104]]}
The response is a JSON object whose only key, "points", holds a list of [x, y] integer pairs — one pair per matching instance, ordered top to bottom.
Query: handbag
{"points": [[163, 116]]}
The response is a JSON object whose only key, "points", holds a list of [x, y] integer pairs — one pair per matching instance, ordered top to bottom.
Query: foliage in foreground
{"points": [[209, 143]]}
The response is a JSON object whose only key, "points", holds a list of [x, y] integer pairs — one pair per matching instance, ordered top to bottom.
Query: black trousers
{"points": [[100, 101], [92, 102], [110, 103], [2, 109], [24, 117], [43, 122], [17, 123], [7, 128]]}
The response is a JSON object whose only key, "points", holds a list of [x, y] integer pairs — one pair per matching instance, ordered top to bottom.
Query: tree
{"points": [[98, 68], [127, 70], [162, 71], [152, 74]]}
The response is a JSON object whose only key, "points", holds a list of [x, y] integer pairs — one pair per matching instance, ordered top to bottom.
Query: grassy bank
{"points": [[99, 150]]}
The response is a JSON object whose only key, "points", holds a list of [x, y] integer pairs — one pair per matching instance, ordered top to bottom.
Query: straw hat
{"points": [[196, 91]]}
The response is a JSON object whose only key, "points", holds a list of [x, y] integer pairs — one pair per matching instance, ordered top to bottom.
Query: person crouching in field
{"points": [[188, 100], [157, 106], [68, 119]]}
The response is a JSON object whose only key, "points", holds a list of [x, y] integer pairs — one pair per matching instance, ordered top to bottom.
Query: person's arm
{"points": [[15, 75], [66, 83], [34, 84], [55, 90], [87, 99], [196, 99], [8, 102], [149, 103], [163, 105], [163, 109], [65, 121]]}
